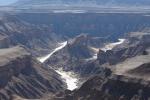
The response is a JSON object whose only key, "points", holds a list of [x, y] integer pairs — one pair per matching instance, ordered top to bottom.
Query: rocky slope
{"points": [[102, 24], [13, 31], [41, 36], [137, 43], [76, 52], [77, 56], [122, 73], [22, 75], [113, 88]]}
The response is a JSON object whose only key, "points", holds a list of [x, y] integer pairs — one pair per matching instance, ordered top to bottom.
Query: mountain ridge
{"points": [[85, 2]]}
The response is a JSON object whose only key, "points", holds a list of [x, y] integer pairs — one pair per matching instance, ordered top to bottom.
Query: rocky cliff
{"points": [[14, 31], [40, 32], [136, 43], [76, 52], [123, 68], [120, 74], [22, 75], [113, 88]]}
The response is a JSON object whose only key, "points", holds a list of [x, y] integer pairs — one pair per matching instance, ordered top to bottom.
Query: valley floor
{"points": [[70, 77]]}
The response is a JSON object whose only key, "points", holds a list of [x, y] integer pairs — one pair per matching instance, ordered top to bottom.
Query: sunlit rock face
{"points": [[70, 78]]}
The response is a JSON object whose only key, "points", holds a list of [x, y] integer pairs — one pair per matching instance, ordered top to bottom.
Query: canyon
{"points": [[74, 53], [117, 71], [70, 78]]}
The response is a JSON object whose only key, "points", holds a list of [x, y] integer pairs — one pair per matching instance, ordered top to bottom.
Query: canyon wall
{"points": [[24, 76]]}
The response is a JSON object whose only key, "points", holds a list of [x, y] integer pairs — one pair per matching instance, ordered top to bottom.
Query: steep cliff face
{"points": [[97, 24], [41, 31], [38, 38], [137, 43], [75, 53], [22, 75], [125, 79], [113, 88]]}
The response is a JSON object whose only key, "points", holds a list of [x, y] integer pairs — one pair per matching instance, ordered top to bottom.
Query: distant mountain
{"points": [[85, 2]]}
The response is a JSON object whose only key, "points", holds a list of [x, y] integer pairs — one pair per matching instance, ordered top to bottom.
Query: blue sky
{"points": [[6, 2]]}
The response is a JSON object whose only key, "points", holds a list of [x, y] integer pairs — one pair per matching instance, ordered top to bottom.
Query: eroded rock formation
{"points": [[22, 75]]}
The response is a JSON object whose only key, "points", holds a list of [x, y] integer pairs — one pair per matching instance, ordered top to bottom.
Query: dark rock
{"points": [[22, 75]]}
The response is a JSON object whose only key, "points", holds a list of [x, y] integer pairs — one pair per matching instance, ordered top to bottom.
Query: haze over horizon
{"points": [[6, 2], [128, 3]]}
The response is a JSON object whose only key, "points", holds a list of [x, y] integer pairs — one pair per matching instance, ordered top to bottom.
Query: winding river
{"points": [[110, 46], [43, 59], [70, 77]]}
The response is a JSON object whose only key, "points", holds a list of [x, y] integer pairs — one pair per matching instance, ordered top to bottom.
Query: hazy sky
{"points": [[6, 2]]}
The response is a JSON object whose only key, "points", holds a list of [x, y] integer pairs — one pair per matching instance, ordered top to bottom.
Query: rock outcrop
{"points": [[41, 36], [136, 43], [73, 54], [125, 71], [22, 75], [111, 88]]}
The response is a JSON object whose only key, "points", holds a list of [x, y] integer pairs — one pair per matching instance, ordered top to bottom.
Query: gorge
{"points": [[75, 51], [70, 77]]}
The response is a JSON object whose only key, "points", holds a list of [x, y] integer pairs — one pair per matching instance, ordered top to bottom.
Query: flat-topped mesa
{"points": [[22, 75]]}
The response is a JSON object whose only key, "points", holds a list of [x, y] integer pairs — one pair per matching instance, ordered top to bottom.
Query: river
{"points": [[62, 45], [110, 46], [70, 77]]}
